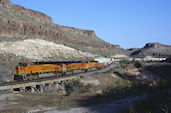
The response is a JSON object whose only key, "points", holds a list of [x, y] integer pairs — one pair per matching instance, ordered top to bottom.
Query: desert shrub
{"points": [[124, 61], [137, 64], [110, 71], [73, 86], [76, 86], [86, 88], [68, 89]]}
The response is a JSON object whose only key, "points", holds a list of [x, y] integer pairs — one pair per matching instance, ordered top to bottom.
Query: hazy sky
{"points": [[129, 23]]}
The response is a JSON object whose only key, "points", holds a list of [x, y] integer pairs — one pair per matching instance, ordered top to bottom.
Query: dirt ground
{"points": [[102, 81], [93, 101], [22, 102], [52, 103], [117, 106]]}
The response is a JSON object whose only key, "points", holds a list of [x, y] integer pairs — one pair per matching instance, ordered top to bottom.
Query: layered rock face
{"points": [[5, 2], [19, 23], [27, 35], [156, 45], [154, 50]]}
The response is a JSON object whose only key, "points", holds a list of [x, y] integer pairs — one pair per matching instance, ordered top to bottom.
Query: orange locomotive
{"points": [[35, 70]]}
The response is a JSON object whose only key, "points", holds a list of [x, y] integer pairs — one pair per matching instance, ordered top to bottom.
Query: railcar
{"points": [[36, 70]]}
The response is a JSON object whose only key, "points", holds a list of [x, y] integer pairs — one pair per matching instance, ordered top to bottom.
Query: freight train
{"points": [[35, 70]]}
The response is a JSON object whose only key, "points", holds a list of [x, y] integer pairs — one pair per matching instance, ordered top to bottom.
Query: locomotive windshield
{"points": [[23, 64]]}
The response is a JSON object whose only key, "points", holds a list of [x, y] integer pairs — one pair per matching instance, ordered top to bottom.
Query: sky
{"points": [[128, 23]]}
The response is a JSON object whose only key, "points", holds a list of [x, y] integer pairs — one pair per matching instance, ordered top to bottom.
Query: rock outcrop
{"points": [[5, 2], [19, 23], [27, 35], [155, 45], [152, 49], [11, 53]]}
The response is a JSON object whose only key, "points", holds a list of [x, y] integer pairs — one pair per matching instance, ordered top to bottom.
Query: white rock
{"points": [[38, 49]]}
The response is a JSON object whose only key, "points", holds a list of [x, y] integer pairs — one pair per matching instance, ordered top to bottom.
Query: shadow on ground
{"points": [[143, 97]]}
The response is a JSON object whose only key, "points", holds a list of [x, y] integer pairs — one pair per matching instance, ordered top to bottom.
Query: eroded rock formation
{"points": [[5, 2], [19, 23], [154, 50]]}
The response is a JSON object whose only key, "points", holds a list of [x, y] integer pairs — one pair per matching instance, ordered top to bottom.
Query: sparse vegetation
{"points": [[18, 24], [124, 61], [137, 64], [110, 71], [76, 87], [158, 98], [157, 101], [13, 110]]}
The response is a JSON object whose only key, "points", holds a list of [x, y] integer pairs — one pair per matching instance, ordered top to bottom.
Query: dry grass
{"points": [[34, 100], [13, 110]]}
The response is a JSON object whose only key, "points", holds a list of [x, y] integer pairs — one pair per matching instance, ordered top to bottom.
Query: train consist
{"points": [[36, 70]]}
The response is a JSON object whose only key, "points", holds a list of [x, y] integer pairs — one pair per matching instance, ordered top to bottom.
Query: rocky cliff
{"points": [[5, 2], [19, 23], [27, 35], [152, 49]]}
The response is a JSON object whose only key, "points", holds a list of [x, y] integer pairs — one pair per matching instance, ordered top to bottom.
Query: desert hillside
{"points": [[19, 23], [27, 35], [152, 49], [41, 50], [11, 53]]}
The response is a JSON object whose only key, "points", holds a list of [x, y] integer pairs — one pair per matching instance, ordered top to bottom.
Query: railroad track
{"points": [[50, 80]]}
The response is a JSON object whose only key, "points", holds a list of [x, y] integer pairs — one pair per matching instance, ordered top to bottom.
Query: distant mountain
{"points": [[152, 49]]}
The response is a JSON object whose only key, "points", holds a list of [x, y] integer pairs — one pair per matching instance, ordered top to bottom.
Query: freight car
{"points": [[36, 70]]}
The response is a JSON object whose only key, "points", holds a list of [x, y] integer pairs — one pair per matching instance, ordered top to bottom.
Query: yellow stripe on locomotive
{"points": [[32, 69]]}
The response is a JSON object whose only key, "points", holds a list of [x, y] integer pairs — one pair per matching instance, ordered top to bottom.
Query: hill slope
{"points": [[19, 23], [27, 35], [152, 49], [40, 50], [11, 53]]}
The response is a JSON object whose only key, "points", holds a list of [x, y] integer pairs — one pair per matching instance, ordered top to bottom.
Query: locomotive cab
{"points": [[20, 70]]}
